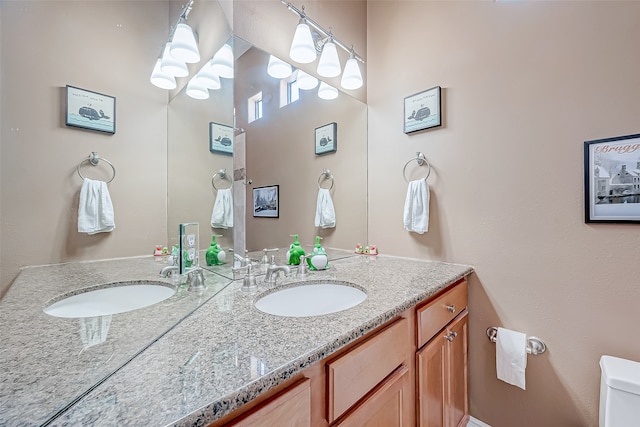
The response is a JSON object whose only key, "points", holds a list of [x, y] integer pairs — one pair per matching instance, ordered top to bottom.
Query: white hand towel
{"points": [[416, 207], [95, 210], [325, 213], [222, 214], [511, 357]]}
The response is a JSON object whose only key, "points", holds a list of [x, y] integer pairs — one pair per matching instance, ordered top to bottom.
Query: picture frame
{"points": [[90, 110], [423, 110], [220, 138], [326, 139], [612, 180], [266, 201]]}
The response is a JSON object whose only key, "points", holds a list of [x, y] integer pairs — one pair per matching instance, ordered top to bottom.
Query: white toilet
{"points": [[619, 392]]}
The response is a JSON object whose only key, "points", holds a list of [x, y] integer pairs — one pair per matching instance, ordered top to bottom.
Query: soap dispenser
{"points": [[295, 251], [215, 255], [318, 260]]}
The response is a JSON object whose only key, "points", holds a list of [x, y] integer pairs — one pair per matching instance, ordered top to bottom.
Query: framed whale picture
{"points": [[90, 110], [422, 110], [220, 138], [326, 140]]}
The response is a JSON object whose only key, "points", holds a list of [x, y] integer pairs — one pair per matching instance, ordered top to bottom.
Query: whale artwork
{"points": [[422, 110], [421, 114]]}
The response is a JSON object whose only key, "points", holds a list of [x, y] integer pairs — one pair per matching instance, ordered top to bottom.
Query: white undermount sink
{"points": [[109, 299], [304, 299]]}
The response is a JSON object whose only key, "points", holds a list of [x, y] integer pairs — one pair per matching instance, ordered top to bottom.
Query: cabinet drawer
{"points": [[435, 315], [354, 374]]}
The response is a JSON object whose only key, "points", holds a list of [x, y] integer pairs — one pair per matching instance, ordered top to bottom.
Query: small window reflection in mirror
{"points": [[289, 91], [255, 107]]}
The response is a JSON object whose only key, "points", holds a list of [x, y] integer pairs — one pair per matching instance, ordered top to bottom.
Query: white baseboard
{"points": [[476, 423]]}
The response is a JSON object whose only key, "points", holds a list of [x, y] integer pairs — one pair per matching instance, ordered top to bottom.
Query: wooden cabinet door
{"points": [[441, 368], [431, 370], [457, 396], [386, 406], [291, 408]]}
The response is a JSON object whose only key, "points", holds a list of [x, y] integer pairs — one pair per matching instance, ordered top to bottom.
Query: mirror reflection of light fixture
{"points": [[183, 44], [303, 50], [222, 62], [171, 65], [329, 65], [278, 69], [207, 78], [351, 78], [160, 79], [306, 81], [196, 90], [326, 91]]}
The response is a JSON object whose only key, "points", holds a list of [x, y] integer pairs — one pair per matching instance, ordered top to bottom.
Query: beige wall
{"points": [[45, 46], [524, 84]]}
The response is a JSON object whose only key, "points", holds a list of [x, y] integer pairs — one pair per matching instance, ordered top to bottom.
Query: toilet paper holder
{"points": [[535, 345]]}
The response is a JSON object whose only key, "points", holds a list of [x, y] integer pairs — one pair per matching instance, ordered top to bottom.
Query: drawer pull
{"points": [[451, 308], [451, 336]]}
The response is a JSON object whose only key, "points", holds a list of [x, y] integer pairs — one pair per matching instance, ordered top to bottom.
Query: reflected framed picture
{"points": [[90, 110], [422, 110], [220, 138], [326, 140], [612, 179], [266, 203]]}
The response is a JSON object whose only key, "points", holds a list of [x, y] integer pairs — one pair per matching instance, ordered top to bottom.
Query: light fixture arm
{"points": [[326, 33]]}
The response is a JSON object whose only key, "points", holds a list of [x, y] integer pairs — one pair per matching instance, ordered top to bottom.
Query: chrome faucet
{"points": [[169, 270], [273, 270], [195, 280]]}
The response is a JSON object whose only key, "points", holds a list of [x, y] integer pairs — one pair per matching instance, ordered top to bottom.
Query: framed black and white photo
{"points": [[90, 110], [422, 110], [220, 138], [326, 139], [612, 179], [266, 202]]}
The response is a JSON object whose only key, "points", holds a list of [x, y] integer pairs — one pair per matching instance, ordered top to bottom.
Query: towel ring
{"points": [[420, 159], [93, 160], [326, 174], [223, 175]]}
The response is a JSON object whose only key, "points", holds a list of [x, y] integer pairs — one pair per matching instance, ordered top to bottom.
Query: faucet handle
{"points": [[195, 280], [249, 282]]}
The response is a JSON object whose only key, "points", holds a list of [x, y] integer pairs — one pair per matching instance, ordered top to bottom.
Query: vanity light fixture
{"points": [[324, 43], [183, 44], [303, 49], [222, 62], [172, 66], [278, 69], [207, 78], [351, 78], [160, 79], [306, 81], [196, 90], [326, 91]]}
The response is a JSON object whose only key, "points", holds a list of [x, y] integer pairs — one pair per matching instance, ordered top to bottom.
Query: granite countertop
{"points": [[227, 352], [47, 362]]}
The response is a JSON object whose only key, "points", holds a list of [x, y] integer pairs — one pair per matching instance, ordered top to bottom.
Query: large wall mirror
{"points": [[277, 148]]}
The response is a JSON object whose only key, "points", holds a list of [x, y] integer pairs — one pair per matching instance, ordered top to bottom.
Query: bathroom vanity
{"points": [[218, 359]]}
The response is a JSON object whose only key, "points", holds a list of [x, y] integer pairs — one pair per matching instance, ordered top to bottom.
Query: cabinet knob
{"points": [[451, 308], [451, 336]]}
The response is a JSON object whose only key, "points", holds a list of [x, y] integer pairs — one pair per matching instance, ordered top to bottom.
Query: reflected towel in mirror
{"points": [[416, 207], [95, 210], [325, 213], [222, 214]]}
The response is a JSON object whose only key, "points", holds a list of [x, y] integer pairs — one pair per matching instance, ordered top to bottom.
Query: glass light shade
{"points": [[183, 44], [303, 50], [222, 62], [329, 64], [170, 65], [278, 69], [207, 78], [351, 78], [160, 79], [306, 81], [197, 91], [326, 91]]}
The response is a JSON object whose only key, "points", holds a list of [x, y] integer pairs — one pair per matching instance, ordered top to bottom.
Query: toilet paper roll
{"points": [[511, 357]]}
